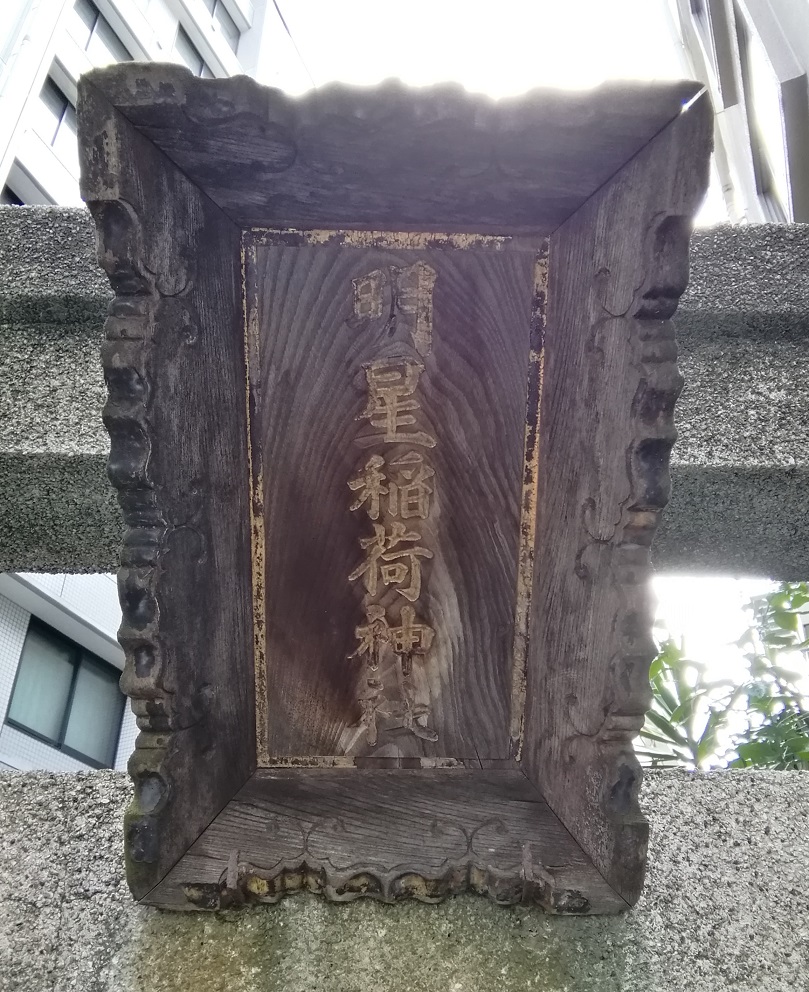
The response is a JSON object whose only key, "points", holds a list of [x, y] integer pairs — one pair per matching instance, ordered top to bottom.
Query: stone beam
{"points": [[740, 468], [723, 908]]}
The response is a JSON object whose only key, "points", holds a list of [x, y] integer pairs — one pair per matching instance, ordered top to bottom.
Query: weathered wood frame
{"points": [[604, 358]]}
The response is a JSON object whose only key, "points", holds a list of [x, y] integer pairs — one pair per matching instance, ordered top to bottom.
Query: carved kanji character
{"points": [[368, 294], [414, 296], [390, 382], [370, 485], [410, 495], [393, 567], [372, 635], [411, 637]]}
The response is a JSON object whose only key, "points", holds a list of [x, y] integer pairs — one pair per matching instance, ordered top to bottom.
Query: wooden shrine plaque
{"points": [[391, 383], [393, 390]]}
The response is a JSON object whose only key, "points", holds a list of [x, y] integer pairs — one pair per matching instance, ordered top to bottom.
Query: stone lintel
{"points": [[740, 467]]}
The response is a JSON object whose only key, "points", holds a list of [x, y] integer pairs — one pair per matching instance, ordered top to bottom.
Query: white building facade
{"points": [[45, 45], [753, 55], [60, 704]]}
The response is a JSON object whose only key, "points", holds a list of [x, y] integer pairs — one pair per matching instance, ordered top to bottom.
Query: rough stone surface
{"points": [[740, 468], [726, 907]]}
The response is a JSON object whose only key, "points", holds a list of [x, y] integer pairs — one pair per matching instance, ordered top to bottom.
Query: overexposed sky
{"points": [[500, 48]]}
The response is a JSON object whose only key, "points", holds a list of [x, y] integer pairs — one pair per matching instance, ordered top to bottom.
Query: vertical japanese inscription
{"points": [[394, 488]]}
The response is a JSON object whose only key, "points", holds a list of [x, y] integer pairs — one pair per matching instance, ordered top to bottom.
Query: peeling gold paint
{"points": [[263, 237], [255, 469], [528, 503], [347, 761]]}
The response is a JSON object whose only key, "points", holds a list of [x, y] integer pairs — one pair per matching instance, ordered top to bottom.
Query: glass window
{"points": [[81, 21], [226, 24], [92, 32], [186, 53], [762, 98], [49, 111], [55, 123], [9, 198], [42, 690], [96, 693], [67, 697]]}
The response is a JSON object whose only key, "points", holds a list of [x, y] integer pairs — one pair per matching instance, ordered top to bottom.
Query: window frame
{"points": [[219, 12], [97, 22], [181, 31], [60, 120], [7, 191], [775, 211], [77, 653]]}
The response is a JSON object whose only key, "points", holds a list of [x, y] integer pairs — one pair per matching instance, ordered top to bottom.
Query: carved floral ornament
{"points": [[391, 454]]}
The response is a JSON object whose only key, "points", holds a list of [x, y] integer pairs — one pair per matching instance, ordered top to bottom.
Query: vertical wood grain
{"points": [[617, 269], [174, 365], [472, 396]]}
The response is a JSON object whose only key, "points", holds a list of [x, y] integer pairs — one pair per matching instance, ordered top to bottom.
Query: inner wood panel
{"points": [[432, 158], [470, 399], [382, 825]]}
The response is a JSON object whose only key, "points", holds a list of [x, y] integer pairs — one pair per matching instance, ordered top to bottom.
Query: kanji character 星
{"points": [[390, 383]]}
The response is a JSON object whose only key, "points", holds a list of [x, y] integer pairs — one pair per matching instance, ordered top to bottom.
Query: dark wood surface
{"points": [[389, 157], [617, 269], [174, 366], [472, 399], [543, 812], [344, 833]]}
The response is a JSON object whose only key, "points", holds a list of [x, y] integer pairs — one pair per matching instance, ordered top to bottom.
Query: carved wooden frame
{"points": [[610, 269]]}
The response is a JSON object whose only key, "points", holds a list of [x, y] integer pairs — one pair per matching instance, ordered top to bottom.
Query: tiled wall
{"points": [[93, 597], [13, 626]]}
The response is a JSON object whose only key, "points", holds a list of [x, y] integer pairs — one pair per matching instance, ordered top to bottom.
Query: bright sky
{"points": [[498, 48], [707, 613]]}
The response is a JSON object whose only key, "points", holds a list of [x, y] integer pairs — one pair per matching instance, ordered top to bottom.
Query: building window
{"points": [[224, 22], [92, 32], [187, 54], [55, 121], [765, 121], [9, 198], [67, 697]]}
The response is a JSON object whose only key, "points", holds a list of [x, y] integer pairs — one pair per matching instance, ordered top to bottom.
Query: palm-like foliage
{"points": [[761, 721], [684, 727], [777, 734]]}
